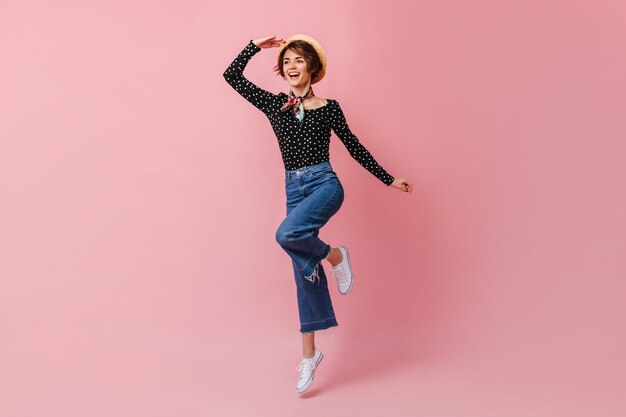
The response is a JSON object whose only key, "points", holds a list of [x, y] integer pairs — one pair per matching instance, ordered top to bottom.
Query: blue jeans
{"points": [[314, 195]]}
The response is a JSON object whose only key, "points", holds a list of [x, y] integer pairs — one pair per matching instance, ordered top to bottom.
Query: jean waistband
{"points": [[296, 173]]}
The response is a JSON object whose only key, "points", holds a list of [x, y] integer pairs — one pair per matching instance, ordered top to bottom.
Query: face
{"points": [[295, 63]]}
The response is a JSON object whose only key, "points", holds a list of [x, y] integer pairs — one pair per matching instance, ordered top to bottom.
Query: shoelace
{"points": [[340, 274], [305, 366]]}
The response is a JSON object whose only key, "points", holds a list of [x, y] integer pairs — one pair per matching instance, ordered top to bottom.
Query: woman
{"points": [[302, 123]]}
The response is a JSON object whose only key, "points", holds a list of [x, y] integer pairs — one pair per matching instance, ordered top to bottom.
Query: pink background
{"points": [[140, 196]]}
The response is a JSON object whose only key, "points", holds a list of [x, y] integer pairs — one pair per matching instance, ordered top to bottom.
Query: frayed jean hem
{"points": [[315, 274], [318, 325]]}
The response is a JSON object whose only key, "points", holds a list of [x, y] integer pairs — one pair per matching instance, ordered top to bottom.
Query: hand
{"points": [[269, 42], [402, 184]]}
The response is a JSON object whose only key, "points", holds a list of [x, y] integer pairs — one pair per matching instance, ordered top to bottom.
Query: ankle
{"points": [[334, 256]]}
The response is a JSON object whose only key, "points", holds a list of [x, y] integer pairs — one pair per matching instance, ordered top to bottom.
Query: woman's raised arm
{"points": [[261, 99]]}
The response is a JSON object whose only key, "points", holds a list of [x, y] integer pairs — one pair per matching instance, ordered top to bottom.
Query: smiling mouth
{"points": [[294, 76]]}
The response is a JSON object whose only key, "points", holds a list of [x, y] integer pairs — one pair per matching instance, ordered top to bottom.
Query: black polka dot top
{"points": [[306, 142]]}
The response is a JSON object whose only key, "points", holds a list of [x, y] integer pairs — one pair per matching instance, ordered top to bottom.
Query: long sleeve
{"points": [[261, 99], [356, 149]]}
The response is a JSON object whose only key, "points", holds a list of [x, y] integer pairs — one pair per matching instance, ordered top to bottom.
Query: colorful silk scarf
{"points": [[296, 102]]}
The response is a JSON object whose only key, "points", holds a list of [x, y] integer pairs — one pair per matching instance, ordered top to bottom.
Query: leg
{"points": [[311, 201], [299, 231], [334, 256], [315, 307], [308, 345]]}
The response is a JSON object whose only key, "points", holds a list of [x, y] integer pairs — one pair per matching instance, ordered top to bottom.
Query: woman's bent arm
{"points": [[261, 99]]}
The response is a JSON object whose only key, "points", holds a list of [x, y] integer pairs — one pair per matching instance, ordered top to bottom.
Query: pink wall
{"points": [[139, 275]]}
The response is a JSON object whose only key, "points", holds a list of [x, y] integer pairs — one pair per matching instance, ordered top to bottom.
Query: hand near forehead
{"points": [[269, 42]]}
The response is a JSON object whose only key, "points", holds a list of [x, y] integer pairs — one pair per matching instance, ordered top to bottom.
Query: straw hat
{"points": [[318, 48]]}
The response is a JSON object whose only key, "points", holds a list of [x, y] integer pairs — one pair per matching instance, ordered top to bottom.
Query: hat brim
{"points": [[318, 48]]}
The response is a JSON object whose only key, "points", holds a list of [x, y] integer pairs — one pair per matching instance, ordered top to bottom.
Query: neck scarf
{"points": [[296, 102]]}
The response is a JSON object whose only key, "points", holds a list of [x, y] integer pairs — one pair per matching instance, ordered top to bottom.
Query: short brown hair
{"points": [[313, 62]]}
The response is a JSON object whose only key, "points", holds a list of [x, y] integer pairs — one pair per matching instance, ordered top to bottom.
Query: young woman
{"points": [[302, 123]]}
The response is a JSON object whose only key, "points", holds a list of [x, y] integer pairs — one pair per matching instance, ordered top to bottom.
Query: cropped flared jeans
{"points": [[314, 194]]}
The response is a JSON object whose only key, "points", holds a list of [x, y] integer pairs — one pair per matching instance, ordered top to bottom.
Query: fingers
{"points": [[270, 42], [273, 42], [404, 185]]}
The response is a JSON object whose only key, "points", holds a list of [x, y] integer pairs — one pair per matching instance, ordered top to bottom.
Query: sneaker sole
{"points": [[351, 273], [310, 381]]}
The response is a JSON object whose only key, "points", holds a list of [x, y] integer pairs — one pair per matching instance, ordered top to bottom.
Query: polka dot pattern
{"points": [[307, 142]]}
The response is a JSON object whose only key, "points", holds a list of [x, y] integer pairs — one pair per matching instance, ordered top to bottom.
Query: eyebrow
{"points": [[297, 56]]}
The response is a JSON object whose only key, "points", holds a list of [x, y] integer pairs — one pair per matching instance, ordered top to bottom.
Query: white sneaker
{"points": [[343, 272], [307, 370]]}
